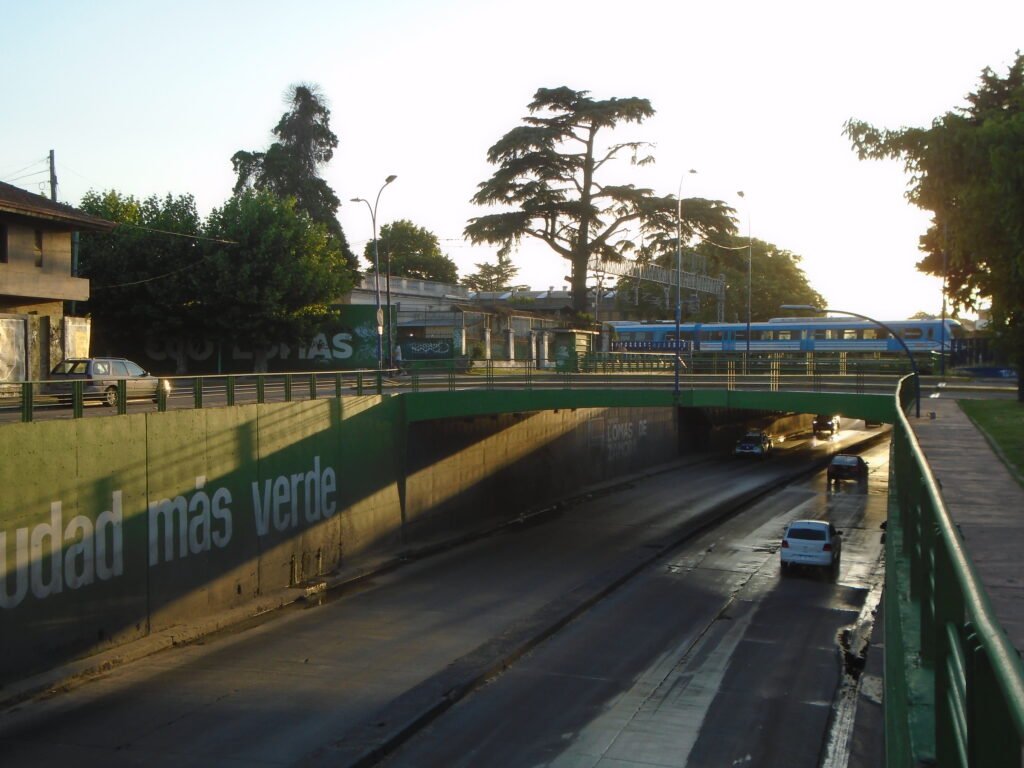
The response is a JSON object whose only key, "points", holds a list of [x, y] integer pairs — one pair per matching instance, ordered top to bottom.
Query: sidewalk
{"points": [[985, 502]]}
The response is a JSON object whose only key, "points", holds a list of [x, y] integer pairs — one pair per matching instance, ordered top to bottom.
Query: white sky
{"points": [[150, 98]]}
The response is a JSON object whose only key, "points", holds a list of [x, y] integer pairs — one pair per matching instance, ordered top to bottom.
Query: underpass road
{"points": [[708, 659], [298, 687]]}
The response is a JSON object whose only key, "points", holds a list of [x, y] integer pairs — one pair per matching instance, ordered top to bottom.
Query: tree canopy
{"points": [[291, 166], [967, 168], [548, 170], [412, 252], [281, 269], [253, 272], [143, 274], [492, 277], [776, 278]]}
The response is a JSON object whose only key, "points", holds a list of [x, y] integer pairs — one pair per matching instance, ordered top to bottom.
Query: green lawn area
{"points": [[1003, 422]]}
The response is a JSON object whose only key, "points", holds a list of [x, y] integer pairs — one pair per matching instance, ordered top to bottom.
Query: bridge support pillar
{"points": [[510, 340]]}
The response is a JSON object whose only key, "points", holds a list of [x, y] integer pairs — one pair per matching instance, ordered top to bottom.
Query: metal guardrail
{"points": [[27, 401], [955, 684]]}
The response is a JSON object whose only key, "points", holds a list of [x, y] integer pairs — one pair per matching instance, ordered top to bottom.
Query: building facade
{"points": [[37, 277]]}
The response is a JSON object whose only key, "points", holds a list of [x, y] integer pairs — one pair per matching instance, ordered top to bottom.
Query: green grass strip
{"points": [[1002, 423]]}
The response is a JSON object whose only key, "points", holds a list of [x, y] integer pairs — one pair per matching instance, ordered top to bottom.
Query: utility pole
{"points": [[53, 179]]}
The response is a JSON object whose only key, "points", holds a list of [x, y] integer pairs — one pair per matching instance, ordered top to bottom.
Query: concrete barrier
{"points": [[115, 528]]}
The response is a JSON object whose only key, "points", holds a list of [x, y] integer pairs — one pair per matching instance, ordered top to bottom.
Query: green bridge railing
{"points": [[821, 372], [954, 693]]}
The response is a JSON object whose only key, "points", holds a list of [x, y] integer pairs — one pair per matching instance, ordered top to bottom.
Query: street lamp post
{"points": [[750, 269], [376, 272], [679, 277], [913, 363]]}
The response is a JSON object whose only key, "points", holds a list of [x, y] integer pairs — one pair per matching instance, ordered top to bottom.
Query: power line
{"points": [[44, 160], [27, 176], [178, 234], [172, 272]]}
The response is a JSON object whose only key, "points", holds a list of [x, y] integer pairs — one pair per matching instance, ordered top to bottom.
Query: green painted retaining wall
{"points": [[111, 528]]}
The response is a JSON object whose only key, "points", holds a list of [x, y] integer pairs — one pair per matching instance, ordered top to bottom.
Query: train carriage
{"points": [[785, 334]]}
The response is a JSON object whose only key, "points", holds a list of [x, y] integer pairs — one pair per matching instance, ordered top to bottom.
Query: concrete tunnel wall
{"points": [[112, 528]]}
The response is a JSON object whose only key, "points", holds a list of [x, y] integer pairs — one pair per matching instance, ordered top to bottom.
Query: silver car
{"points": [[100, 376]]}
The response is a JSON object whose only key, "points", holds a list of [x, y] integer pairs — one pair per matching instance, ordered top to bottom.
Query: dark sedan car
{"points": [[826, 424], [846, 466]]}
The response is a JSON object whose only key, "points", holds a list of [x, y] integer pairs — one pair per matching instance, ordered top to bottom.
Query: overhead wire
{"points": [[44, 160], [174, 271]]}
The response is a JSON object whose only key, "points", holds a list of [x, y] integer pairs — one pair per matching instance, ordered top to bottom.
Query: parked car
{"points": [[100, 376], [825, 424], [754, 443], [846, 466], [811, 542]]}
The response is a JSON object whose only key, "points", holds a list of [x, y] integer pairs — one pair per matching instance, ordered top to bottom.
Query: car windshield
{"points": [[70, 366], [844, 461], [811, 534]]}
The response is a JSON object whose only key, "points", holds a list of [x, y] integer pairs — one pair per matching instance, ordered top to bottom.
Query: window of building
{"points": [[3, 243], [38, 247]]}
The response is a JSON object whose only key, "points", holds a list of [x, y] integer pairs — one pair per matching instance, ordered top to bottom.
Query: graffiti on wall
{"points": [[12, 349]]}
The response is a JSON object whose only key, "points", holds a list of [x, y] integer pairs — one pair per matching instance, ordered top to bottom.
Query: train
{"points": [[785, 334]]}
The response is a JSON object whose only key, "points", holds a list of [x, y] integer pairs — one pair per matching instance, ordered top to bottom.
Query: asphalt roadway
{"points": [[619, 631]]}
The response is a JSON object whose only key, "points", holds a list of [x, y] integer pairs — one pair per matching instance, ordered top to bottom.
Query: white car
{"points": [[811, 542]]}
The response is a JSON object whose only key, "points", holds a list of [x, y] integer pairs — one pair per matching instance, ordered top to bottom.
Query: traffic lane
{"points": [[653, 671], [277, 690], [574, 697], [773, 704]]}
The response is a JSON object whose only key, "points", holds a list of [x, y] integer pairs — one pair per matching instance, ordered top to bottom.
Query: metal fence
{"points": [[954, 693]]}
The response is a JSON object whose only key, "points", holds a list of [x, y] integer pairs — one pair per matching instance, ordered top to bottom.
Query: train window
{"points": [[820, 333], [849, 333], [871, 333], [911, 333], [931, 333], [711, 335], [741, 335], [787, 335], [642, 336]]}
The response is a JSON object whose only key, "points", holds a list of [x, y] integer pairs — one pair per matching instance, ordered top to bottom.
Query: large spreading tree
{"points": [[291, 166], [967, 168], [552, 171], [411, 251]]}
